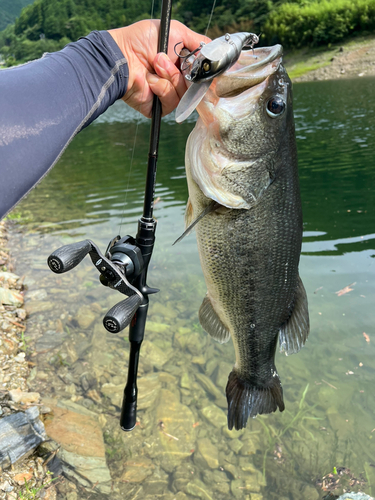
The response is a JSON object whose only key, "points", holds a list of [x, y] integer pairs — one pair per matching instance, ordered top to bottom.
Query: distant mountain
{"points": [[10, 9]]}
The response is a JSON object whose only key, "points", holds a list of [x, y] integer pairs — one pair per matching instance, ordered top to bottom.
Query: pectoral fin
{"points": [[213, 205], [189, 214], [211, 323], [294, 333]]}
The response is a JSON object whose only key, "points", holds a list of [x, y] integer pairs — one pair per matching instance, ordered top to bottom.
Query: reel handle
{"points": [[65, 258], [121, 314]]}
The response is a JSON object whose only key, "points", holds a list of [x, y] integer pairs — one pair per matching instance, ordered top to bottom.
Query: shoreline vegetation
{"points": [[310, 31], [350, 59]]}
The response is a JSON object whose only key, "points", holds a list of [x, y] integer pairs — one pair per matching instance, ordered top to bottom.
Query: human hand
{"points": [[152, 73]]}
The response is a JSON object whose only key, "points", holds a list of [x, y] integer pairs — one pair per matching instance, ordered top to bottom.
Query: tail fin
{"points": [[246, 400]]}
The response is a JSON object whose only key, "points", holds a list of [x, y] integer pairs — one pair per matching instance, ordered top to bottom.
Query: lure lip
{"points": [[191, 99]]}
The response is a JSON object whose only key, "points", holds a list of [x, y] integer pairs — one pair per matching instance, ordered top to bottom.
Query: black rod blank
{"points": [[165, 20], [145, 241]]}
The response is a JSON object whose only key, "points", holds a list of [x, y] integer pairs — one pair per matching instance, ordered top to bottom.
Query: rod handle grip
{"points": [[65, 258], [121, 314], [128, 417]]}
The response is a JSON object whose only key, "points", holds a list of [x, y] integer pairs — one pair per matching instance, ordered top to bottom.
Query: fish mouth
{"points": [[252, 68], [248, 76], [233, 97]]}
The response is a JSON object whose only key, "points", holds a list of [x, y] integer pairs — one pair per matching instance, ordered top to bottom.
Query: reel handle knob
{"points": [[65, 258], [120, 315]]}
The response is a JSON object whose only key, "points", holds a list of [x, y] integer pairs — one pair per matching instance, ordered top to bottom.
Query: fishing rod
{"points": [[125, 263]]}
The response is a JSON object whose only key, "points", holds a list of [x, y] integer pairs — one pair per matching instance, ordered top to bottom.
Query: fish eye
{"points": [[275, 107]]}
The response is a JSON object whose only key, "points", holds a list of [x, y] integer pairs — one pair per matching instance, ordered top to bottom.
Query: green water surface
{"points": [[96, 192]]}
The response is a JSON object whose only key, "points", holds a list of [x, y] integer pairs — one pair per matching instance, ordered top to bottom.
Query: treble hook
{"points": [[253, 40], [188, 55]]}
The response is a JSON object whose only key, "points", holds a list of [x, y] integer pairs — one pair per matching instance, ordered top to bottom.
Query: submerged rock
{"points": [[40, 294], [37, 306], [85, 317], [152, 326], [187, 339], [50, 340], [154, 355], [223, 374], [185, 381], [209, 386], [149, 388], [114, 393], [214, 415], [177, 434], [235, 445], [81, 447], [208, 454], [137, 470], [91, 472], [182, 476], [217, 480], [198, 489]]}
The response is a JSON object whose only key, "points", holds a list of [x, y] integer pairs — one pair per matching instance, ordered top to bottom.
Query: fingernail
{"points": [[164, 61], [152, 79]]}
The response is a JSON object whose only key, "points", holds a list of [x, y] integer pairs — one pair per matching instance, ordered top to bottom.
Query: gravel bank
{"points": [[351, 60], [15, 368]]}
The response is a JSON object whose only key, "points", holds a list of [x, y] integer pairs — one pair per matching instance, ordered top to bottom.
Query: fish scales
{"points": [[250, 243]]}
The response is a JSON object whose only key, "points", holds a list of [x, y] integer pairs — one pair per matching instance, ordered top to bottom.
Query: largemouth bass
{"points": [[241, 165]]}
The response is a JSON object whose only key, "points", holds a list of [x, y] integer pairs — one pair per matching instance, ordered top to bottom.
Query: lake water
{"points": [[181, 448]]}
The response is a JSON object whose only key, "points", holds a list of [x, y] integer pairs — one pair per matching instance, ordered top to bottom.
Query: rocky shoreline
{"points": [[351, 60], [40, 455], [21, 469]]}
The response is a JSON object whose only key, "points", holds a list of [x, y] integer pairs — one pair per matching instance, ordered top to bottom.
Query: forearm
{"points": [[45, 103]]}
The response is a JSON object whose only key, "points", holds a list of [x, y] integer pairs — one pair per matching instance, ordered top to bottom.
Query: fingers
{"points": [[165, 68], [168, 84], [166, 92]]}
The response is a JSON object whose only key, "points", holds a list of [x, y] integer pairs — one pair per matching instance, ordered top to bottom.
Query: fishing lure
{"points": [[212, 60]]}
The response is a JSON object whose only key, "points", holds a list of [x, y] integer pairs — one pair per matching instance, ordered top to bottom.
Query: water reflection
{"points": [[182, 449]]}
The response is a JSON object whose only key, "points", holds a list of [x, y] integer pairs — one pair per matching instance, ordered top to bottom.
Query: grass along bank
{"points": [[349, 59]]}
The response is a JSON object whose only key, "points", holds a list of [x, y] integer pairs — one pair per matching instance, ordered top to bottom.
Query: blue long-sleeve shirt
{"points": [[46, 102]]}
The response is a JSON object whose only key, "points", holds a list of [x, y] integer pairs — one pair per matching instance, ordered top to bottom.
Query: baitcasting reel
{"points": [[119, 269]]}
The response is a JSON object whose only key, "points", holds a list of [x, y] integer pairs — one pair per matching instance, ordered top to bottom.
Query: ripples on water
{"points": [[328, 386]]}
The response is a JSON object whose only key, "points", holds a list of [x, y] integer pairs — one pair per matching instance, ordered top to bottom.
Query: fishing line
{"points": [[209, 21], [139, 119], [136, 127]]}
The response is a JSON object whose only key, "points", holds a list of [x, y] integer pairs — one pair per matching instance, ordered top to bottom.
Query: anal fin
{"points": [[211, 323], [294, 332]]}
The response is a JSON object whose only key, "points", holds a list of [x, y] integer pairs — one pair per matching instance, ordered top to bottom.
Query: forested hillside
{"points": [[9, 10], [48, 25]]}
